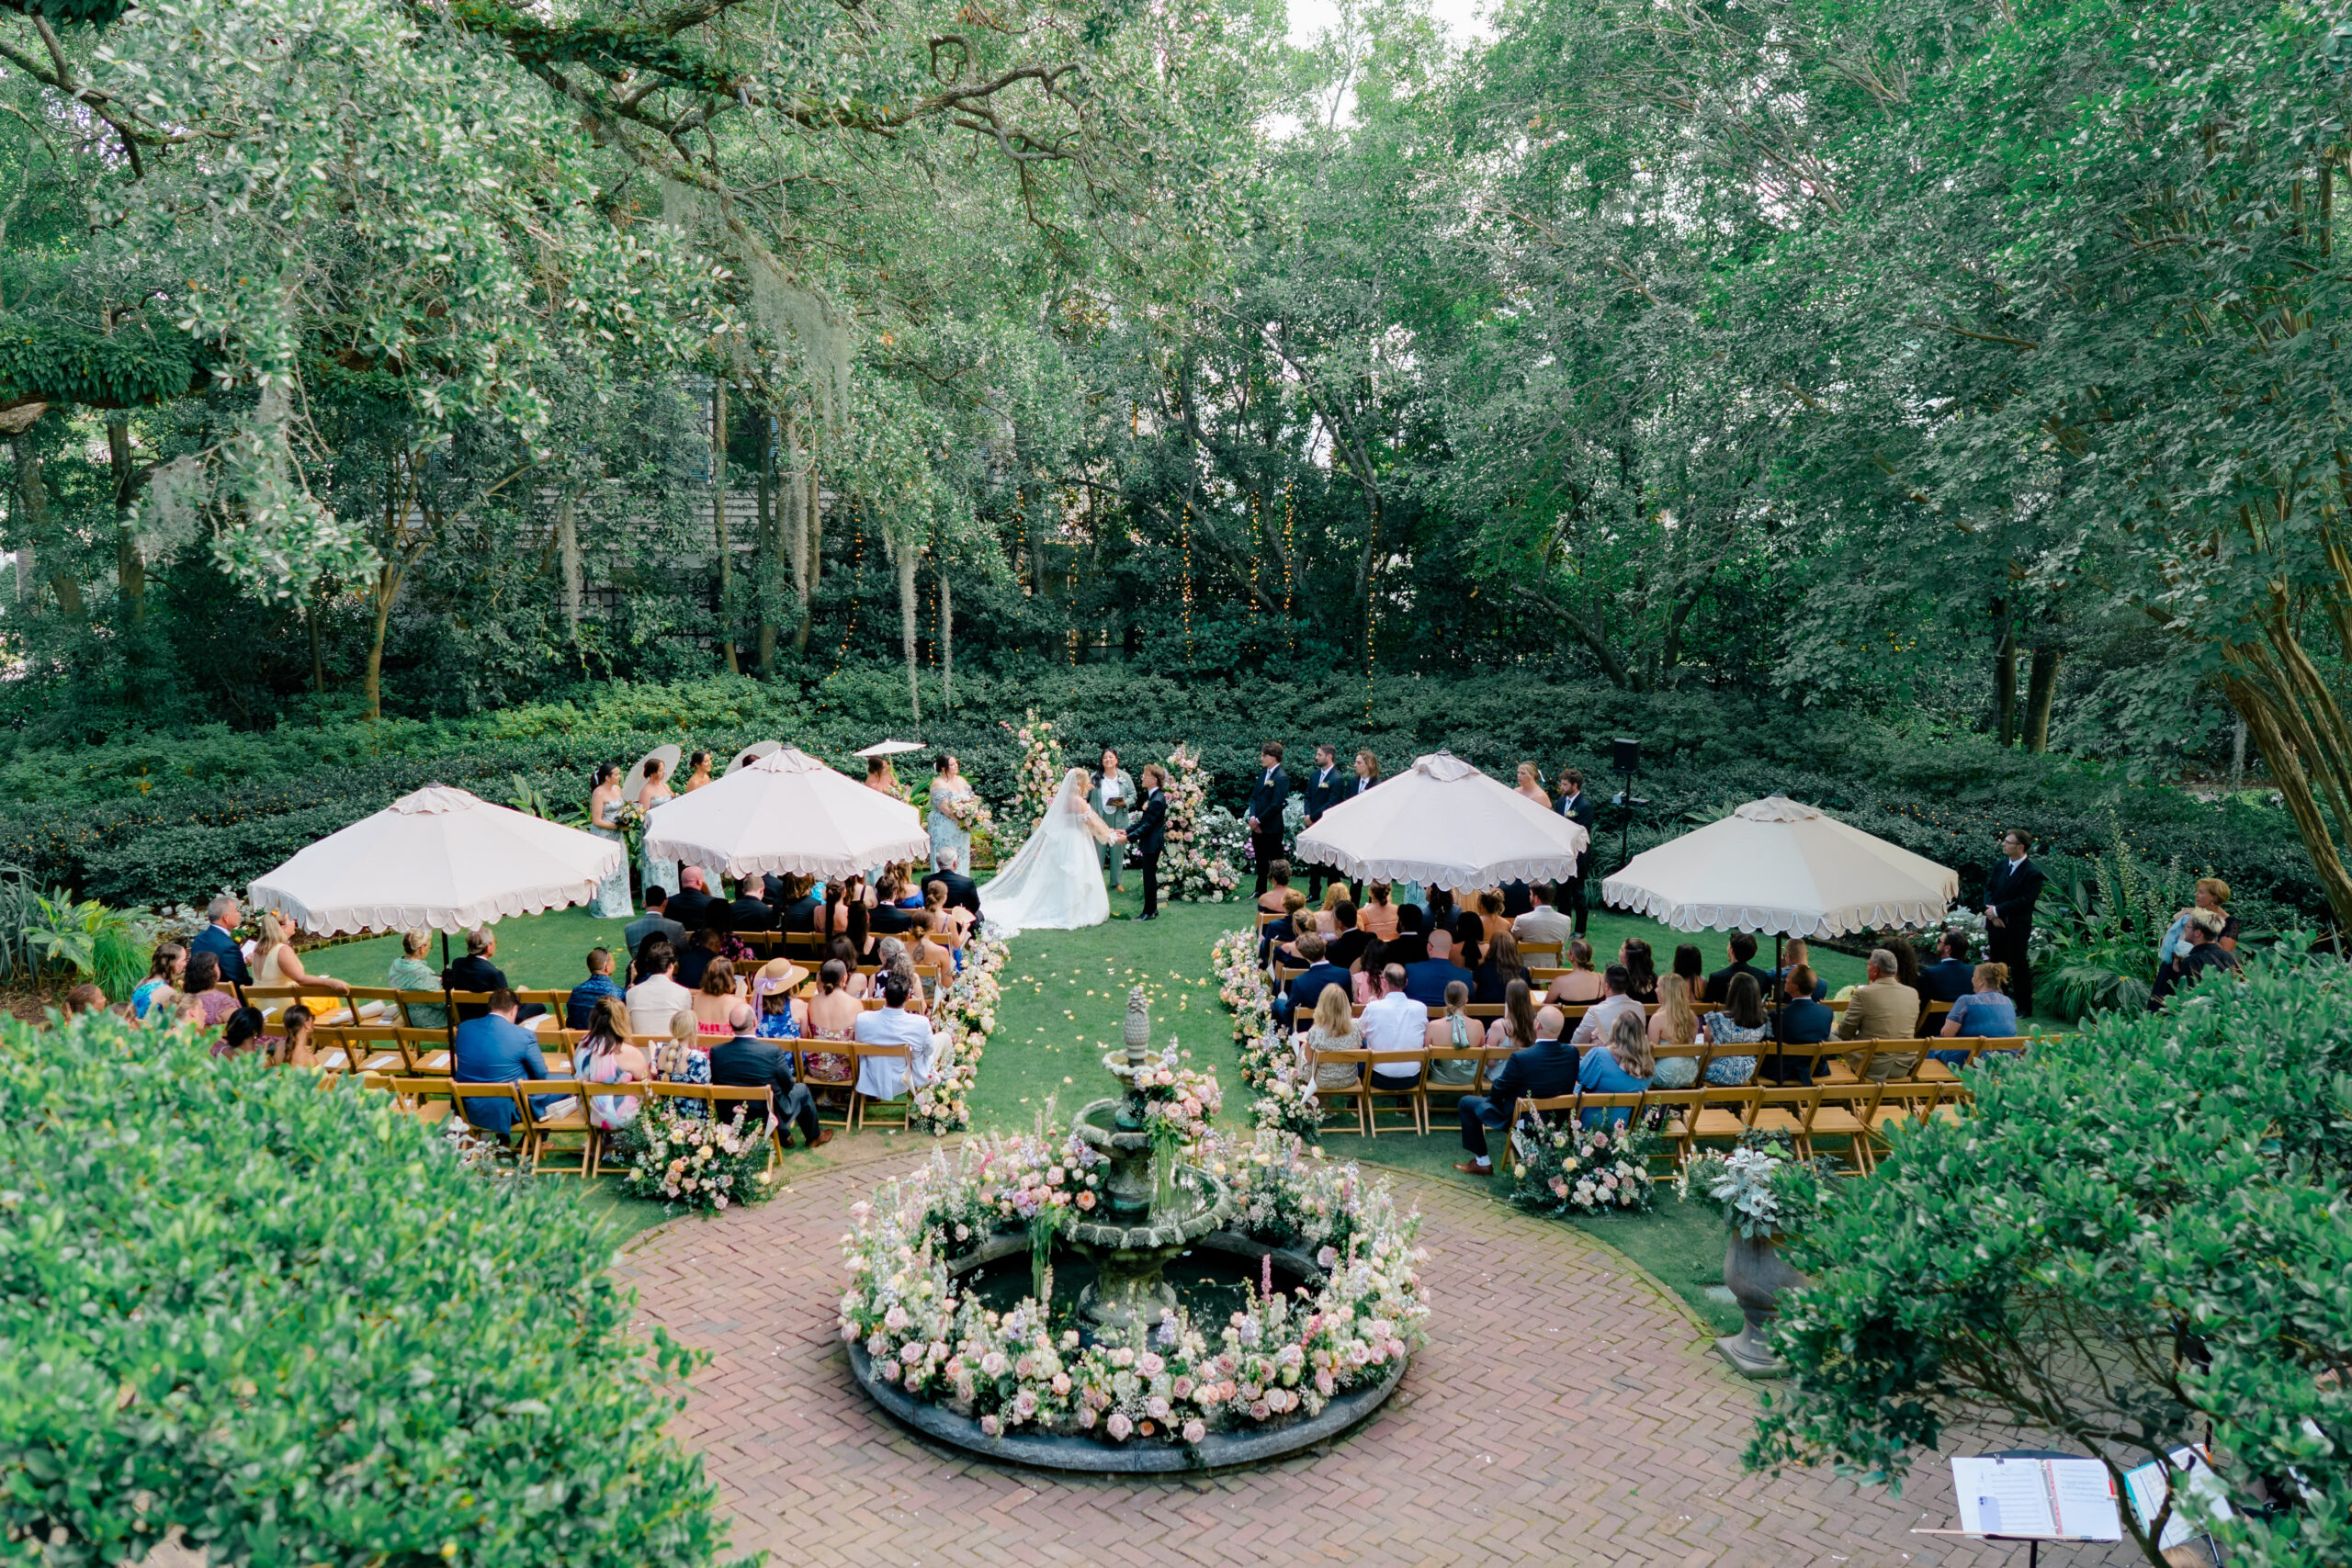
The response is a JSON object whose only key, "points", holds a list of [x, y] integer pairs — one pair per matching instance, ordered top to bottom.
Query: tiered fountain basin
{"points": [[1076, 1306]]}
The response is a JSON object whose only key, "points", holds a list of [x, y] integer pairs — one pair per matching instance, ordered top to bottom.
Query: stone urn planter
{"points": [[1756, 1274]]}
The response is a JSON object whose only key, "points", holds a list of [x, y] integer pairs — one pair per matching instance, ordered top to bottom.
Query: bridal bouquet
{"points": [[966, 809]]}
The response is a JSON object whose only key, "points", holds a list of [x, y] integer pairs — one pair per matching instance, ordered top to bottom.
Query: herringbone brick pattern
{"points": [[1565, 1411]]}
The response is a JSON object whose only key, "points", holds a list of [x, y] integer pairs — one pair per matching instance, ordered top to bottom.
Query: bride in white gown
{"points": [[1054, 883]]}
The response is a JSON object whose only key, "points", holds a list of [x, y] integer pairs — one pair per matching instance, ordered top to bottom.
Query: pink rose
{"points": [[1119, 1427], [1195, 1430]]}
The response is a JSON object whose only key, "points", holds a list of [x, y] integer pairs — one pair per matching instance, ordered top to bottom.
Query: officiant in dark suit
{"points": [[1325, 788], [1576, 806], [1264, 816], [1149, 833], [2010, 891]]}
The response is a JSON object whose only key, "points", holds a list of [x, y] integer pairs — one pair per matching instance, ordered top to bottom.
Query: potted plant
{"points": [[1751, 1186]]}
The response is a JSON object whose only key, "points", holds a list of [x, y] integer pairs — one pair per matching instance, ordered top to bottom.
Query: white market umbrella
{"points": [[888, 749], [756, 751], [666, 755], [787, 814], [1445, 824], [441, 859], [1779, 866]]}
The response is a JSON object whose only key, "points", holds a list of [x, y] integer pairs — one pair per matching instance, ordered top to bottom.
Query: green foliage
{"points": [[60, 364], [20, 899], [2109, 921], [109, 946], [2137, 1236], [286, 1322]]}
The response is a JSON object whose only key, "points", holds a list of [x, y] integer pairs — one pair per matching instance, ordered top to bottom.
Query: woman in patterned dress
{"points": [[612, 900]]}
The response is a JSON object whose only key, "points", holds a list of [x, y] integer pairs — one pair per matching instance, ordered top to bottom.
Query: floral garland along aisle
{"points": [[1206, 846], [965, 1016], [1269, 1064], [1280, 1357]]}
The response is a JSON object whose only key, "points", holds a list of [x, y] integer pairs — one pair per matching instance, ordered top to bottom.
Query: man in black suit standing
{"points": [[1325, 788], [1267, 798], [1576, 806], [1147, 831], [2009, 894], [1545, 1070]]}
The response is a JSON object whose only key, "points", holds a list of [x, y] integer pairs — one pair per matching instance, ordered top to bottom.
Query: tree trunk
{"points": [[32, 492], [718, 523], [771, 536], [567, 549], [906, 552], [810, 561], [129, 566], [388, 588], [946, 638], [318, 659], [2005, 679], [2042, 686], [2298, 726], [2237, 752]]}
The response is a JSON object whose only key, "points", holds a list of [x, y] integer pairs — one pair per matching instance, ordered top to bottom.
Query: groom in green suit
{"points": [[1112, 796]]}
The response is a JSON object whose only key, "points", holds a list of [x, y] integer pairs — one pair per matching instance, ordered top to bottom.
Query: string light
{"points": [[1257, 531], [857, 560], [1290, 563], [1371, 581], [1188, 586]]}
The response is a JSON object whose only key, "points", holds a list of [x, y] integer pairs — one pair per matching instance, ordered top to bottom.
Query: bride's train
{"points": [[1055, 882]]}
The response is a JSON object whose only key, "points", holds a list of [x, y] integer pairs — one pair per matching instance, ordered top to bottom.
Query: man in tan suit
{"points": [[1883, 1008]]}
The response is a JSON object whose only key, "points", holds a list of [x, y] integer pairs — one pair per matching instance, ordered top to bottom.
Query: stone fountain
{"points": [[1153, 1215]]}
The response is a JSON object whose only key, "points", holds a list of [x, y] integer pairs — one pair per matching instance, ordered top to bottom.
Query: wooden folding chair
{"points": [[804, 941], [764, 945], [1529, 952], [1538, 978], [386, 1001], [452, 1001], [554, 1001], [437, 1002], [361, 1050], [423, 1051], [1478, 1055], [1697, 1055], [1849, 1061], [1791, 1065], [842, 1082], [1353, 1091], [1413, 1091], [460, 1094], [427, 1099], [860, 1104], [1605, 1105], [1900, 1106], [1788, 1111], [1845, 1111], [1671, 1112], [1722, 1114], [1534, 1115], [565, 1117], [601, 1164]]}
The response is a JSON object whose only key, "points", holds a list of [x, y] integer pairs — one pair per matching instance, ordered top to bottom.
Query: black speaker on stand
{"points": [[1625, 761]]}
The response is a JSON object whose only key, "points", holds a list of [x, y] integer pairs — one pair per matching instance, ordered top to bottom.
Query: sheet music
{"points": [[2148, 1484], [2001, 1497], [2085, 1500]]}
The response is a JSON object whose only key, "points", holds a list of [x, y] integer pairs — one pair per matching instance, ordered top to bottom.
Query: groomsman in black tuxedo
{"points": [[1326, 787], [1267, 798], [1576, 806], [1147, 831], [2010, 890]]}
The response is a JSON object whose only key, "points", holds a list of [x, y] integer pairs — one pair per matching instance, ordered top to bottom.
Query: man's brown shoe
{"points": [[824, 1135], [1468, 1168]]}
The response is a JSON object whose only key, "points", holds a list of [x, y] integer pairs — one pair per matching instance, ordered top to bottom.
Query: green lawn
{"points": [[1064, 1005]]}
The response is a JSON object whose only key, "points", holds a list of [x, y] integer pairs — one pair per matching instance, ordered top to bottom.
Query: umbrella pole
{"points": [[444, 953]]}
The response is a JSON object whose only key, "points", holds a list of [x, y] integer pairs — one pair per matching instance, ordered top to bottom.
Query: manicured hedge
{"points": [[168, 817], [2140, 1238], [283, 1322]]}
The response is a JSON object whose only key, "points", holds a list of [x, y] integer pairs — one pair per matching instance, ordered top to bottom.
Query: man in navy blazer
{"points": [[1325, 788], [1577, 807], [1265, 813], [2010, 891], [220, 938], [1951, 977], [1426, 981], [1307, 988], [493, 1048], [1545, 1070]]}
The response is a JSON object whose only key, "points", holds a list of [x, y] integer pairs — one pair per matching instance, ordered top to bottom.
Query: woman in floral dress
{"points": [[948, 783], [662, 873], [612, 900]]}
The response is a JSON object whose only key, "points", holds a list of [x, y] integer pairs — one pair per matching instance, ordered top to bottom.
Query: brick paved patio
{"points": [[1565, 1411]]}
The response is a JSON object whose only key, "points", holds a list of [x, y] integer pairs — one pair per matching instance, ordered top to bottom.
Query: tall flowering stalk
{"points": [[1040, 777], [1206, 843]]}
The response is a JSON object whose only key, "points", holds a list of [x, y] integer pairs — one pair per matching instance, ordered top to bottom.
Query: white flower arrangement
{"points": [[1040, 777], [1206, 846], [963, 1016], [1270, 1062], [1278, 1358]]}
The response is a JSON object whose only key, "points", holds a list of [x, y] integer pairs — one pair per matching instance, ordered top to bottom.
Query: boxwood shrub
{"points": [[286, 1324]]}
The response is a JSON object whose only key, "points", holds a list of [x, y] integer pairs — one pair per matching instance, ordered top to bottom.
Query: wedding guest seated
{"points": [[963, 893], [692, 898], [799, 901], [1270, 902], [750, 911], [1438, 911], [1490, 913], [889, 915], [1378, 915], [1327, 919], [655, 921], [1543, 923], [851, 925], [948, 926], [1281, 935], [1409, 945], [708, 947], [1348, 947], [1742, 949], [921, 950], [843, 953], [1793, 953], [892, 955], [2203, 955], [276, 964], [1497, 968], [1640, 970], [1693, 970], [410, 971], [475, 972], [163, 974], [1950, 976], [1426, 981], [1581, 984], [201, 985], [1307, 990], [86, 997], [657, 998], [714, 998], [582, 1005], [1882, 1009], [833, 1013], [1985, 1013], [1598, 1018], [1740, 1020], [1804, 1020], [1394, 1021], [1676, 1022], [1516, 1027], [1334, 1029], [1455, 1030], [240, 1033], [291, 1046], [492, 1047], [606, 1056], [681, 1059], [747, 1061], [1621, 1065], [1545, 1070], [888, 1077]]}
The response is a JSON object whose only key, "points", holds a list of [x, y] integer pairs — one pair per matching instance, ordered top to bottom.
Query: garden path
{"points": [[1565, 1410]]}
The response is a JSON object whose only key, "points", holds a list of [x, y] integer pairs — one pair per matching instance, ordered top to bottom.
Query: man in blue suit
{"points": [[1325, 788], [1576, 806], [1265, 814], [220, 938], [1951, 977], [1426, 981], [1307, 988], [493, 1048], [1545, 1070]]}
